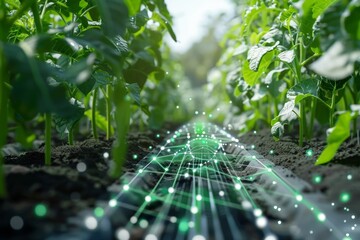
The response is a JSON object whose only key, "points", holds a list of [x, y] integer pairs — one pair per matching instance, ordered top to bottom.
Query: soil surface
{"points": [[341, 175], [78, 177]]}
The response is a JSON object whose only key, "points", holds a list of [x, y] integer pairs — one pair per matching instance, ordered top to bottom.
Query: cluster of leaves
{"points": [[294, 60], [64, 61]]}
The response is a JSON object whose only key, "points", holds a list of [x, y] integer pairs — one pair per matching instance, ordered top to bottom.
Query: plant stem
{"points": [[4, 92], [332, 108], [108, 112], [93, 114], [312, 117], [122, 120], [302, 125], [48, 139]]}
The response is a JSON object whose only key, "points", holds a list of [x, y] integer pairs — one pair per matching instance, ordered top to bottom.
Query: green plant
{"points": [[280, 64]]}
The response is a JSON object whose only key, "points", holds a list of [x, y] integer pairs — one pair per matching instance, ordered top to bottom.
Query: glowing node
{"points": [[253, 146], [162, 148], [309, 152], [106, 155], [135, 156], [154, 158], [81, 167], [141, 170], [186, 175], [349, 177], [317, 179], [237, 186], [126, 187], [171, 190], [221, 193], [198, 197], [345, 197], [148, 198], [299, 198], [112, 203], [246, 205], [40, 210], [194, 210], [99, 212], [257, 212], [321, 217], [133, 219], [173, 219], [261, 222], [279, 222], [16, 223], [91, 223], [143, 223], [191, 224], [183, 226], [122, 234], [151, 237], [198, 237], [270, 237]]}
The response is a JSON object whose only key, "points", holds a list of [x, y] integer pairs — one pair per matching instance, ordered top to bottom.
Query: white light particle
{"points": [[162, 148], [106, 155], [81, 167], [186, 175], [237, 186], [126, 187], [171, 190], [221, 193], [199, 197], [147, 198], [299, 198], [112, 203], [246, 204], [194, 210], [257, 212], [321, 217], [353, 217], [133, 219], [173, 219], [261, 222], [279, 222], [16, 223], [91, 223], [122, 234], [151, 237], [198, 237], [270, 237]]}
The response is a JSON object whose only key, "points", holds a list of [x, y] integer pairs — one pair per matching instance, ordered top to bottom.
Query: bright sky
{"points": [[190, 17]]}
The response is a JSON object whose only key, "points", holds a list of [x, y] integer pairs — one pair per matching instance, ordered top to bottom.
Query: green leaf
{"points": [[133, 6], [312, 9], [114, 15], [351, 21], [165, 23], [256, 53], [287, 56], [338, 62], [139, 72], [252, 77], [307, 86], [134, 92], [101, 121], [64, 124], [277, 130], [337, 136]]}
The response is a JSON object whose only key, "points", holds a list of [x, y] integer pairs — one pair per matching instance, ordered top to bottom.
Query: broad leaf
{"points": [[114, 15], [351, 20], [256, 53], [287, 56], [338, 62], [252, 77], [338, 135]]}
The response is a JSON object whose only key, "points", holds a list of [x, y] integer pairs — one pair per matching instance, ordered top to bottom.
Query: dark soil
{"points": [[341, 175], [62, 188], [66, 191]]}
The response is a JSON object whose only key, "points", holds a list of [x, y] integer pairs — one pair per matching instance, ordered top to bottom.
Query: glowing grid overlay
{"points": [[195, 190]]}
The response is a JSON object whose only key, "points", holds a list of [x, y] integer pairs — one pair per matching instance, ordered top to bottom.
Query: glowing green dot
{"points": [[158, 135], [271, 152], [309, 152], [135, 156], [317, 179], [345, 197], [40, 210], [99, 212], [321, 217], [183, 226]]}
